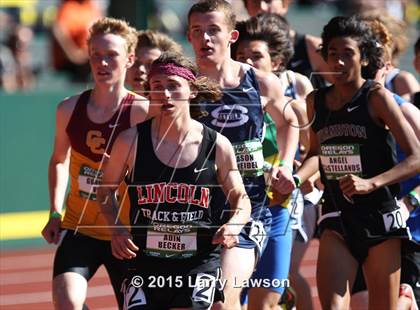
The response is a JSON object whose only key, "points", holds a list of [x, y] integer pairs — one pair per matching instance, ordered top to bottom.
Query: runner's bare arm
{"points": [[315, 58], [303, 86], [299, 106], [385, 110], [412, 115], [287, 127], [122, 155], [310, 166], [58, 169], [231, 182]]}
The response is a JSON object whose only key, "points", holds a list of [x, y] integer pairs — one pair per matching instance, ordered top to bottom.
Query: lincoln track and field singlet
{"points": [[171, 208]]}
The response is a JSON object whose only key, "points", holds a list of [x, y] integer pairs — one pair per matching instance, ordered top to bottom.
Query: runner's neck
{"points": [[226, 73], [107, 99], [172, 130]]}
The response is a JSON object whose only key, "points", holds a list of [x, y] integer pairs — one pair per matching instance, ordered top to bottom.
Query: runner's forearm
{"points": [[287, 141], [309, 167], [402, 171], [58, 173], [108, 202], [240, 208]]}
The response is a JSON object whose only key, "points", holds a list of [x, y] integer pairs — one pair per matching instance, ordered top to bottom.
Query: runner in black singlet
{"points": [[351, 141], [175, 165]]}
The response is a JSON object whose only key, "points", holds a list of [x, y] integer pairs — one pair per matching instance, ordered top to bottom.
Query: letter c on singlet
{"points": [[94, 141]]}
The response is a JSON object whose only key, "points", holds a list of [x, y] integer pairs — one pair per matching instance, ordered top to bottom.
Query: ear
{"points": [[234, 35], [130, 60], [364, 62], [275, 64], [193, 93]]}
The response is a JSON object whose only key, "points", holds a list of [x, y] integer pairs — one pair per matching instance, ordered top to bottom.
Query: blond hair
{"points": [[115, 26]]}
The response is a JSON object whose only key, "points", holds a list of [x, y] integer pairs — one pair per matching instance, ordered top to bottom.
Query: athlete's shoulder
{"points": [[300, 78], [267, 79], [303, 84], [378, 92], [380, 99], [67, 104], [140, 108], [221, 140]]}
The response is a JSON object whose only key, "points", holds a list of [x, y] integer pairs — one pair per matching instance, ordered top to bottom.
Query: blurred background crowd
{"points": [[43, 42]]}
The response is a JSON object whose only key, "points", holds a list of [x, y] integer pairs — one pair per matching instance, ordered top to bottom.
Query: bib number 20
{"points": [[393, 220]]}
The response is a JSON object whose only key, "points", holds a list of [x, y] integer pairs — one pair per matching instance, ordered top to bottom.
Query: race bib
{"points": [[250, 158], [340, 160], [87, 178], [295, 207], [393, 220], [258, 234], [171, 245], [204, 288], [133, 297]]}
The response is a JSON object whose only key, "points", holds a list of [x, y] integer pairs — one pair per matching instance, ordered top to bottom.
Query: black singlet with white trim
{"points": [[352, 143], [171, 207]]}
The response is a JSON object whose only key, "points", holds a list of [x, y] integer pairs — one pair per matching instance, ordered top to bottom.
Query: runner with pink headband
{"points": [[172, 69], [175, 165]]}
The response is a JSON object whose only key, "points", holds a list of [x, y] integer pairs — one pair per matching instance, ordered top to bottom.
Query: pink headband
{"points": [[171, 69]]}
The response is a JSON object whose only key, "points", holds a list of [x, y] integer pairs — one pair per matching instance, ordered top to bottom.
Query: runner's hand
{"points": [[282, 180], [353, 185], [307, 187], [52, 230], [226, 235], [122, 245]]}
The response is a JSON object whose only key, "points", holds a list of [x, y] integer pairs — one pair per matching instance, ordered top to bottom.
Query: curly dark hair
{"points": [[270, 28], [371, 50], [207, 89]]}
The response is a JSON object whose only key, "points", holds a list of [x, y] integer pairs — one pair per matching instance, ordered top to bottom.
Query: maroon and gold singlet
{"points": [[89, 142]]}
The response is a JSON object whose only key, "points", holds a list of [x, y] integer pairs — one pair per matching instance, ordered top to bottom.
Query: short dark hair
{"points": [[205, 6], [270, 28], [358, 29]]}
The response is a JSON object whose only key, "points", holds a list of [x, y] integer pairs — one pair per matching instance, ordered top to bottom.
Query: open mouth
{"points": [[205, 51], [103, 73], [167, 107]]}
